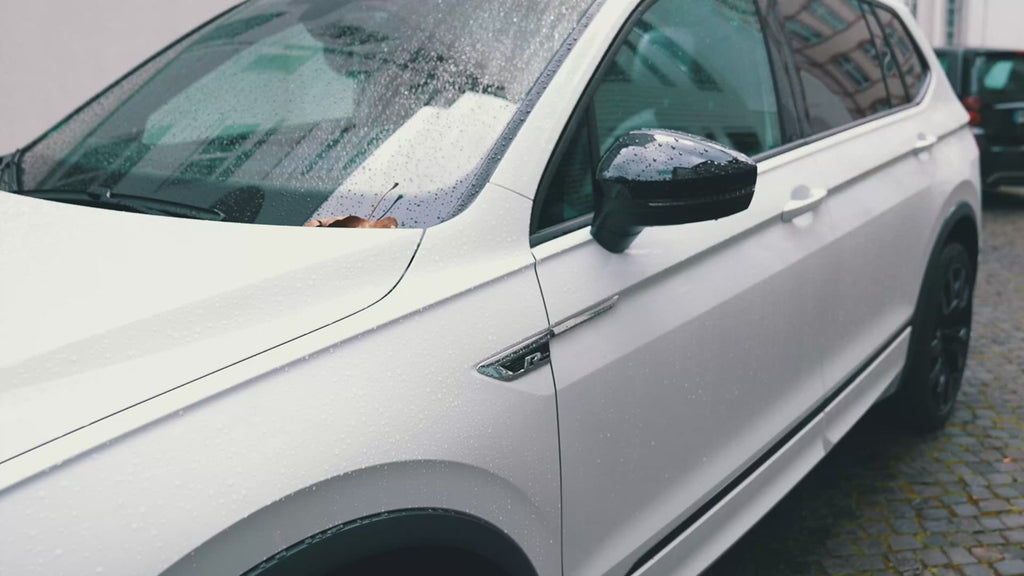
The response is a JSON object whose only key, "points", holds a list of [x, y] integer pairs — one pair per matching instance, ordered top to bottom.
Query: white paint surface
{"points": [[56, 54], [130, 306]]}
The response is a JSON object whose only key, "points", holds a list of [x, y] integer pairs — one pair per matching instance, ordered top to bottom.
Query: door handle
{"points": [[924, 142], [802, 201]]}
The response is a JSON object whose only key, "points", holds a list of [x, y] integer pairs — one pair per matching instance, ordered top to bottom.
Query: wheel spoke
{"points": [[955, 291], [955, 342], [949, 357], [937, 376], [950, 392]]}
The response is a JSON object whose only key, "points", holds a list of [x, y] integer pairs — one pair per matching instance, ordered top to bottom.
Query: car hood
{"points": [[101, 310]]}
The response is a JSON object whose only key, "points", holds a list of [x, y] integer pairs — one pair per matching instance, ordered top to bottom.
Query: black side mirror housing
{"points": [[660, 178]]}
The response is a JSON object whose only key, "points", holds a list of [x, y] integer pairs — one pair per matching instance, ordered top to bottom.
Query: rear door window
{"points": [[839, 61]]}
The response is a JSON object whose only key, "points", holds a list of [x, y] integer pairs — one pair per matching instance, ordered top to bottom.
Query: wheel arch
{"points": [[961, 225], [394, 506], [395, 531]]}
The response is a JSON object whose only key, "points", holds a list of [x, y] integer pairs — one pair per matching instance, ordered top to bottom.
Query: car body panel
{"points": [[879, 203], [134, 305], [669, 395], [333, 426], [728, 520]]}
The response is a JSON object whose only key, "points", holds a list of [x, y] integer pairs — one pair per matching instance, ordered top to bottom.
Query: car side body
{"points": [[324, 396]]}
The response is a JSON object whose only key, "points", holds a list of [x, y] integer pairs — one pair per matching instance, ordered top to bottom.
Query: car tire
{"points": [[939, 341], [422, 561]]}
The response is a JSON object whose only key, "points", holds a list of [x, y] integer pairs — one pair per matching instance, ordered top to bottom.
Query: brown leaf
{"points": [[352, 222]]}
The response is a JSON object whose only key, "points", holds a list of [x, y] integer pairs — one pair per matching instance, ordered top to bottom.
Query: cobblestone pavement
{"points": [[888, 502]]}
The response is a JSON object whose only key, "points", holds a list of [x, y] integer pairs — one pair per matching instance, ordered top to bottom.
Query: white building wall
{"points": [[931, 16], [979, 23], [993, 24], [56, 54]]}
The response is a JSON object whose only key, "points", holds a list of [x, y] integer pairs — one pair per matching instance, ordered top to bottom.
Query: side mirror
{"points": [[660, 178]]}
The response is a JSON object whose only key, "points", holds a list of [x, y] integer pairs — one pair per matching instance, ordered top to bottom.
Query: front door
{"points": [[689, 355]]}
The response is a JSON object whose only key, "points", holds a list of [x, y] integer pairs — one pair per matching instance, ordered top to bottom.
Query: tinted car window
{"points": [[885, 59], [908, 60], [945, 60], [840, 64], [698, 66], [1000, 78], [284, 110]]}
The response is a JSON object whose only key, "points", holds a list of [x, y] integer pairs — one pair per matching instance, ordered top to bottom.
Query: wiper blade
{"points": [[103, 198]]}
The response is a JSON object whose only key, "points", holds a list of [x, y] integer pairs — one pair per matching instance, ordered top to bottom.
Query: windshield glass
{"points": [[284, 111]]}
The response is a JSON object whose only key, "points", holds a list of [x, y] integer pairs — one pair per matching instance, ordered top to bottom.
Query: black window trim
{"points": [[888, 44], [878, 56], [781, 65], [579, 114], [541, 236]]}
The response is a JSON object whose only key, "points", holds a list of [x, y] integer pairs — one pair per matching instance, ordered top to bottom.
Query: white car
{"points": [[474, 286]]}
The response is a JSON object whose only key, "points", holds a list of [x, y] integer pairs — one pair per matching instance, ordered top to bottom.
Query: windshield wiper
{"points": [[103, 198]]}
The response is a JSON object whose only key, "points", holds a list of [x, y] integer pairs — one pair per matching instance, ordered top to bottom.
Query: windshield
{"points": [[284, 111]]}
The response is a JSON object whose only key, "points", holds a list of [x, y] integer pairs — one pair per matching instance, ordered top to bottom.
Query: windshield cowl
{"points": [[104, 198]]}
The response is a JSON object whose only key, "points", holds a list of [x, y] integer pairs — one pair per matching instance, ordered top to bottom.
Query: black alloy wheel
{"points": [[951, 338], [939, 341]]}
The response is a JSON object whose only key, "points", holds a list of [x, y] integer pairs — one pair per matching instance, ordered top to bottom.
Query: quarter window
{"points": [[886, 61], [695, 66], [911, 66]]}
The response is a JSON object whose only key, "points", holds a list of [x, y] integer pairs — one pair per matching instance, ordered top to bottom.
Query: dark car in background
{"points": [[990, 84]]}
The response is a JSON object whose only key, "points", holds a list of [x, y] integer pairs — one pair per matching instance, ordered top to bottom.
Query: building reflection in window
{"points": [[838, 59]]}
